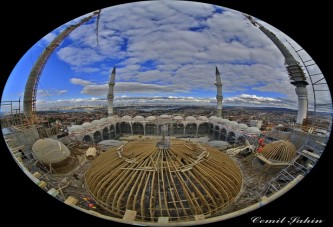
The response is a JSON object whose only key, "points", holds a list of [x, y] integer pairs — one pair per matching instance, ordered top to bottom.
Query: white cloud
{"points": [[81, 82], [128, 87], [60, 92], [252, 99]]}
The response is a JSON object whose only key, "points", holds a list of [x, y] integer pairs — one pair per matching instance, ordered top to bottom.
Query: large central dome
{"points": [[175, 179]]}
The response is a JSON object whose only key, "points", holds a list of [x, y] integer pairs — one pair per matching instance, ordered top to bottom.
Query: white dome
{"points": [[165, 116], [126, 118], [139, 118], [151, 118], [178, 118], [190, 118], [203, 118], [213, 118], [110, 119], [219, 119], [104, 120], [225, 121], [96, 122], [233, 124], [86, 125], [242, 126], [74, 128], [253, 130], [50, 151]]}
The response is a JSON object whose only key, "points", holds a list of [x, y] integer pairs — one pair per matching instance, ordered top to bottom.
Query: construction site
{"points": [[167, 169]]}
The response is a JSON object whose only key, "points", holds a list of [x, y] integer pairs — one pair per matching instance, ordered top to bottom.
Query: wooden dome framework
{"points": [[279, 151], [179, 180]]}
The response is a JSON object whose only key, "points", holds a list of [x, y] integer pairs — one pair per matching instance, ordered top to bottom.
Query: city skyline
{"points": [[163, 49]]}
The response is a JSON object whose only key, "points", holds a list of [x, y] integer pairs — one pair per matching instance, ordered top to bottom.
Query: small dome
{"points": [[165, 116], [126, 118], [139, 118], [151, 118], [178, 118], [190, 118], [203, 118], [213, 118], [110, 119], [219, 119], [104, 120], [225, 121], [96, 122], [233, 124], [86, 125], [242, 126], [74, 128], [253, 130], [50, 151], [279, 151]]}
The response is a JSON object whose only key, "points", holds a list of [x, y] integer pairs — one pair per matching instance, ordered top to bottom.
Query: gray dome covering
{"points": [[165, 116], [126, 118], [139, 118], [151, 118], [178, 118], [190, 118], [203, 118], [213, 118], [110, 119], [220, 119], [225, 121], [95, 122], [233, 124], [86, 125], [242, 126], [74, 128], [253, 130], [50, 151]]}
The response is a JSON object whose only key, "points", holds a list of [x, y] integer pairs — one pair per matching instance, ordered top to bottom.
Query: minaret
{"points": [[295, 72], [110, 94], [219, 96]]}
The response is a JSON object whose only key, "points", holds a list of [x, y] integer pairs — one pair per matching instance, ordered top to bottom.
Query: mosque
{"points": [[159, 170], [166, 170]]}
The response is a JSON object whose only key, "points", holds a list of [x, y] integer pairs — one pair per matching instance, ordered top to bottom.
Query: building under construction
{"points": [[159, 170]]}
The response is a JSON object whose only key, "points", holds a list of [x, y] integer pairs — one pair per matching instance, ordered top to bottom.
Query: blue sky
{"points": [[161, 49]]}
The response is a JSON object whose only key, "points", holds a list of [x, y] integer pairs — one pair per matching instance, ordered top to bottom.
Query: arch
{"points": [[125, 128], [138, 128], [211, 128], [118, 129], [151, 129], [178, 129], [191, 129], [203, 129], [112, 132], [216, 132], [106, 134], [223, 135], [97, 136], [231, 138], [87, 139], [241, 140]]}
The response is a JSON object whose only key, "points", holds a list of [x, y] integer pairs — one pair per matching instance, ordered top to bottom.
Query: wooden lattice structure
{"points": [[279, 151], [177, 180]]}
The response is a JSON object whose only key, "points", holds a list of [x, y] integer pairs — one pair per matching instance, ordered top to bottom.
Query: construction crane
{"points": [[30, 92]]}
